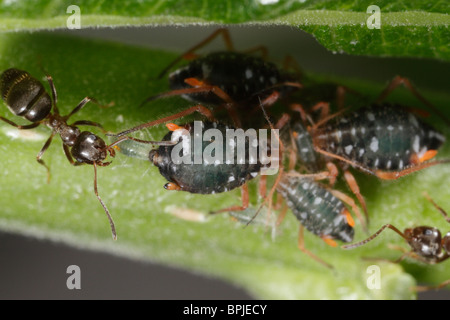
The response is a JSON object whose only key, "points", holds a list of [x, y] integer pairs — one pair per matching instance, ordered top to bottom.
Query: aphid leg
{"points": [[222, 31], [261, 49], [289, 62], [397, 81], [341, 93], [267, 102], [229, 103], [297, 107], [198, 108], [324, 108], [328, 118], [18, 126], [41, 153], [334, 172], [398, 174], [387, 175], [351, 182], [172, 186], [262, 187], [346, 199], [245, 202], [442, 211], [282, 215], [111, 222], [301, 246], [428, 288]]}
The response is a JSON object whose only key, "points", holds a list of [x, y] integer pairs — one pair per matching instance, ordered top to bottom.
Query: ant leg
{"points": [[222, 31], [397, 81], [53, 89], [81, 105], [198, 108], [88, 123], [28, 126], [41, 153], [70, 158], [245, 202], [446, 217], [111, 222], [376, 234], [301, 246], [428, 288]]}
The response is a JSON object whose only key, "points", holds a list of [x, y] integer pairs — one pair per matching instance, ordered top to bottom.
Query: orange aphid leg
{"points": [[190, 56], [194, 82], [173, 126], [430, 154], [172, 186], [349, 218], [329, 241]]}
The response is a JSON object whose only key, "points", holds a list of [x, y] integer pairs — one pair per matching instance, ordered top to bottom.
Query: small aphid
{"points": [[233, 80], [26, 97], [383, 140], [319, 210]]}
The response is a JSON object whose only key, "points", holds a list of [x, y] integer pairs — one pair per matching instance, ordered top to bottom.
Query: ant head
{"points": [[89, 148], [425, 241], [446, 242]]}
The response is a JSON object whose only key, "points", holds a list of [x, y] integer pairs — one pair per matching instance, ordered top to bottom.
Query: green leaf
{"points": [[413, 28], [66, 209]]}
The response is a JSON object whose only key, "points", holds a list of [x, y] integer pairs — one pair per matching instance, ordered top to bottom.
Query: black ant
{"points": [[25, 96], [427, 244]]}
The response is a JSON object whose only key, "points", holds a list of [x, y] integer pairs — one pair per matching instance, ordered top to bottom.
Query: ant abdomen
{"points": [[24, 95]]}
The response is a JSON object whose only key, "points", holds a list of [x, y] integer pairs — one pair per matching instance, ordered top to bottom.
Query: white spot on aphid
{"points": [[248, 74], [371, 116], [390, 128], [374, 144], [416, 144], [348, 149], [361, 152], [389, 164], [231, 179], [318, 201]]}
